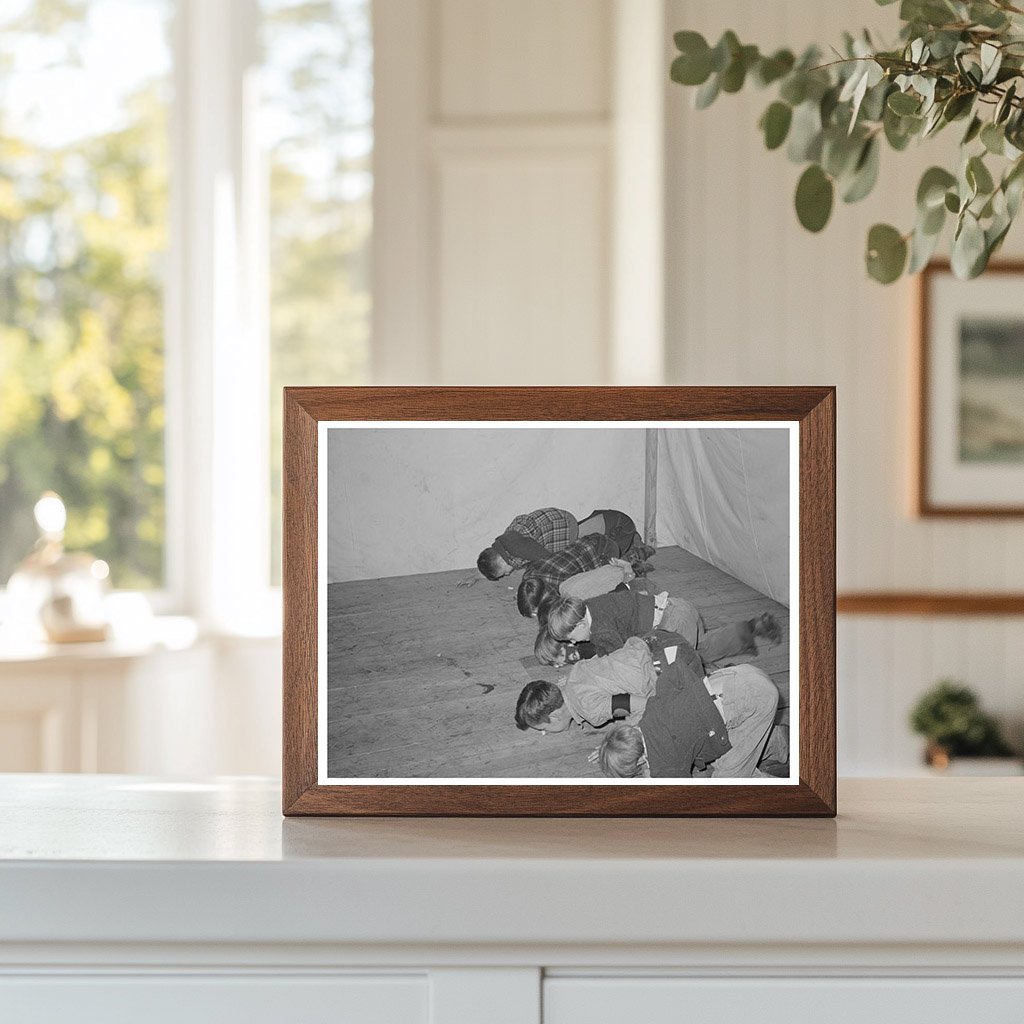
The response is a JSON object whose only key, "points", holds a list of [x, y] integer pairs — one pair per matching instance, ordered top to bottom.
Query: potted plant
{"points": [[950, 717]]}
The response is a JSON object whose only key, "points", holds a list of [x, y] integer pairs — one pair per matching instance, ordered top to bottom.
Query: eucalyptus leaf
{"points": [[930, 12], [987, 15], [688, 41], [944, 44], [724, 51], [991, 60], [691, 68], [771, 69], [735, 74], [794, 88], [707, 93], [904, 103], [828, 104], [1005, 104], [958, 105], [873, 106], [933, 122], [775, 124], [900, 130], [972, 132], [805, 133], [993, 138], [840, 152], [865, 173], [978, 176], [1013, 187], [931, 190], [1014, 191], [814, 195], [952, 202], [932, 221], [995, 233], [968, 247], [922, 248], [886, 253]]}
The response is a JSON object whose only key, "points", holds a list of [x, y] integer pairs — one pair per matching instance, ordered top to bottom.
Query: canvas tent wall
{"points": [[723, 493], [408, 500], [414, 500]]}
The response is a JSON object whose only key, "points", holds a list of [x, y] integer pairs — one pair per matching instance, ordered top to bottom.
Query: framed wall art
{"points": [[970, 444], [559, 601]]}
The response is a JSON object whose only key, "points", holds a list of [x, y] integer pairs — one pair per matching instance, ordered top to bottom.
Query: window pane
{"points": [[84, 97], [318, 130]]}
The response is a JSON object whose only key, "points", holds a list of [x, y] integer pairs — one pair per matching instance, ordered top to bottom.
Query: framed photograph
{"points": [[970, 450], [559, 601]]}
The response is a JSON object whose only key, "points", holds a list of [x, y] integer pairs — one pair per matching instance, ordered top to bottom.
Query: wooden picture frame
{"points": [[809, 415], [969, 449]]}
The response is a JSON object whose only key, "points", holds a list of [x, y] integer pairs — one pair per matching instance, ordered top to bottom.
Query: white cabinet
{"points": [[172, 704], [97, 707], [128, 898], [202, 999], [824, 1000]]}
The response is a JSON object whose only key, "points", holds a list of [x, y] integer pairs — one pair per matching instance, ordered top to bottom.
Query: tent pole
{"points": [[650, 487]]}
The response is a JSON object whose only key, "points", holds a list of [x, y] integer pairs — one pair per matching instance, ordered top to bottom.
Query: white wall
{"points": [[516, 147], [754, 299], [724, 495], [404, 501]]}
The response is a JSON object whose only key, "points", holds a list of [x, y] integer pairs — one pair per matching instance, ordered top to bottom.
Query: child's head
{"points": [[492, 565], [534, 596], [548, 600], [570, 620], [550, 651], [541, 706], [622, 754]]}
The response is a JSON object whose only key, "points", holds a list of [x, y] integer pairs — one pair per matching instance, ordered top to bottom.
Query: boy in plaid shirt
{"points": [[536, 536], [542, 578]]}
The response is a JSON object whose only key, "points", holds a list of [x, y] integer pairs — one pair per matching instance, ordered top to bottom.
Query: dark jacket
{"points": [[617, 617], [682, 726]]}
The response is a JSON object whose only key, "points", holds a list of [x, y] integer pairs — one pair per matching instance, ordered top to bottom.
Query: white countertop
{"points": [[121, 859]]}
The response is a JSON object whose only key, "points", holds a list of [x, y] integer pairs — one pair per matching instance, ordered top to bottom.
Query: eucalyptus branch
{"points": [[833, 117]]}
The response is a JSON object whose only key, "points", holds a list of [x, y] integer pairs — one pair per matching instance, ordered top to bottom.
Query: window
{"points": [[317, 127], [185, 221], [83, 235]]}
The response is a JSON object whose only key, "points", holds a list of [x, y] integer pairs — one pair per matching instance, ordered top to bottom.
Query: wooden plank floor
{"points": [[423, 675]]}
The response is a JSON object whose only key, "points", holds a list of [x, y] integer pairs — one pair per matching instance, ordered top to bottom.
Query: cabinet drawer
{"points": [[205, 999], [782, 1000]]}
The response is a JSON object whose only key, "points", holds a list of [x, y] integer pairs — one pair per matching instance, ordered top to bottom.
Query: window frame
{"points": [[217, 345]]}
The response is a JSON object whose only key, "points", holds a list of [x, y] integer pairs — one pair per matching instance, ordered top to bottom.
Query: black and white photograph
{"points": [[589, 602]]}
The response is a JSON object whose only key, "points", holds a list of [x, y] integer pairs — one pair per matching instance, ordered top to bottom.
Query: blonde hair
{"points": [[565, 617], [547, 648], [622, 752]]}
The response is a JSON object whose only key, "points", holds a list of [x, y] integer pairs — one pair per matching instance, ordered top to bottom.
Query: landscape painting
{"points": [[991, 390]]}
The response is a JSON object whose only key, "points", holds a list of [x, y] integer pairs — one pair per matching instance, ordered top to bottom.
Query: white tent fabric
{"points": [[723, 494], [415, 500]]}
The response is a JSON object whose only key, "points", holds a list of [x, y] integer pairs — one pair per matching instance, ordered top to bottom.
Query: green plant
{"points": [[956, 61], [950, 717]]}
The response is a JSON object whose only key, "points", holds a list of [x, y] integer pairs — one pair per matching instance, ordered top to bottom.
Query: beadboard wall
{"points": [[754, 299]]}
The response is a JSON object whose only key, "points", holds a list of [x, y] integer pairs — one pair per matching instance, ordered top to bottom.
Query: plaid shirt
{"points": [[552, 528], [581, 556]]}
